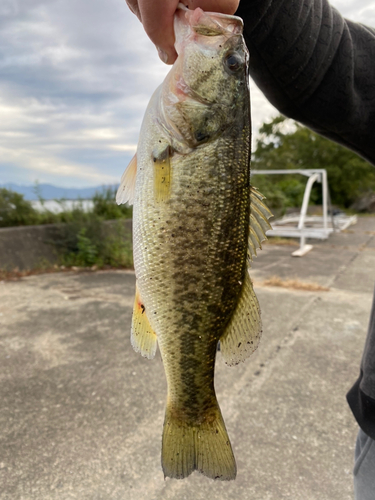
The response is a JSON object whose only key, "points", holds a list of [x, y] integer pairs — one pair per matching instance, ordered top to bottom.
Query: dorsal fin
{"points": [[125, 193], [259, 215]]}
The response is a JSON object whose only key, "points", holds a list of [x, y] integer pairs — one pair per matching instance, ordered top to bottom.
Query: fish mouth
{"points": [[197, 23], [210, 23]]}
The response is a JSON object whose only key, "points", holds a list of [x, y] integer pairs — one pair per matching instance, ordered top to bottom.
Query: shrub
{"points": [[105, 206], [15, 210], [83, 238], [90, 241]]}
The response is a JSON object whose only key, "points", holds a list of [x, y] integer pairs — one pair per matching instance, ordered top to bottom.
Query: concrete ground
{"points": [[81, 413]]}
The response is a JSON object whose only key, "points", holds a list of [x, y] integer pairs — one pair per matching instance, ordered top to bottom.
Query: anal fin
{"points": [[244, 330], [143, 337]]}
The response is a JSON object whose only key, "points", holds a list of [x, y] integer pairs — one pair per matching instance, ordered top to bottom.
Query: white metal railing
{"points": [[300, 225]]}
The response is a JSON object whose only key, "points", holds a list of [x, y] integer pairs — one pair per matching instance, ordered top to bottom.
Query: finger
{"points": [[133, 6], [223, 6], [157, 19]]}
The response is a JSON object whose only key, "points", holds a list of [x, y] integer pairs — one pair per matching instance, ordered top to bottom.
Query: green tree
{"points": [[285, 144], [15, 210]]}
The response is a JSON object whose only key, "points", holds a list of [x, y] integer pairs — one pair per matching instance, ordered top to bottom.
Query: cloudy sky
{"points": [[75, 78]]}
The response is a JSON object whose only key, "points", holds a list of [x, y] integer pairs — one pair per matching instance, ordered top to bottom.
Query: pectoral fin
{"points": [[162, 171], [125, 193], [259, 225], [243, 332], [143, 337]]}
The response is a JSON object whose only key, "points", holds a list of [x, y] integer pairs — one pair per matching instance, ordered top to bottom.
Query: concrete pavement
{"points": [[81, 413]]}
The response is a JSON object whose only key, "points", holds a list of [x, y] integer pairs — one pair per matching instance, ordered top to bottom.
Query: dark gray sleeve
{"points": [[315, 66], [318, 68], [361, 397]]}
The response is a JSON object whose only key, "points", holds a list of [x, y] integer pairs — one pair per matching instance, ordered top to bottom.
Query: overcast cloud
{"points": [[75, 78]]}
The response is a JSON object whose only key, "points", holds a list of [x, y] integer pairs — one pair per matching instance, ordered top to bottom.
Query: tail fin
{"points": [[204, 447]]}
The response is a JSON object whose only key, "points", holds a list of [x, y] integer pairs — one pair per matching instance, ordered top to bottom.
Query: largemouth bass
{"points": [[196, 225]]}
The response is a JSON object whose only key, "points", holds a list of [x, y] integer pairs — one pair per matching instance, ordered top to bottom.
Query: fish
{"points": [[197, 224]]}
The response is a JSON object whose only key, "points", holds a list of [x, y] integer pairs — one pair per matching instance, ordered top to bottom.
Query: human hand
{"points": [[157, 19]]}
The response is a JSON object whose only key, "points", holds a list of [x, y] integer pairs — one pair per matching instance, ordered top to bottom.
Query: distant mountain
{"points": [[50, 192]]}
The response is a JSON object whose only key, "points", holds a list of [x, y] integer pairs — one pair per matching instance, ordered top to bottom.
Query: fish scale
{"points": [[192, 237]]}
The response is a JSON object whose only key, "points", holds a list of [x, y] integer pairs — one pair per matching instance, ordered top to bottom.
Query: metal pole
{"points": [[306, 198], [325, 200]]}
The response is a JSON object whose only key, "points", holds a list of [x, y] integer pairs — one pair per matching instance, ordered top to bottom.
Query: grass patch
{"points": [[277, 240], [294, 284]]}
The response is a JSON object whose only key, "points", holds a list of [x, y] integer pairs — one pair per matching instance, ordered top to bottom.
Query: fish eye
{"points": [[233, 62]]}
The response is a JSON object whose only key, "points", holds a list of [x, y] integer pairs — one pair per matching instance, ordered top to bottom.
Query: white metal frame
{"points": [[300, 225]]}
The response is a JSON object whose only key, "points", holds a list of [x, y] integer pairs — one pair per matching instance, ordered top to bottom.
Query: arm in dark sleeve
{"points": [[315, 67], [361, 397]]}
